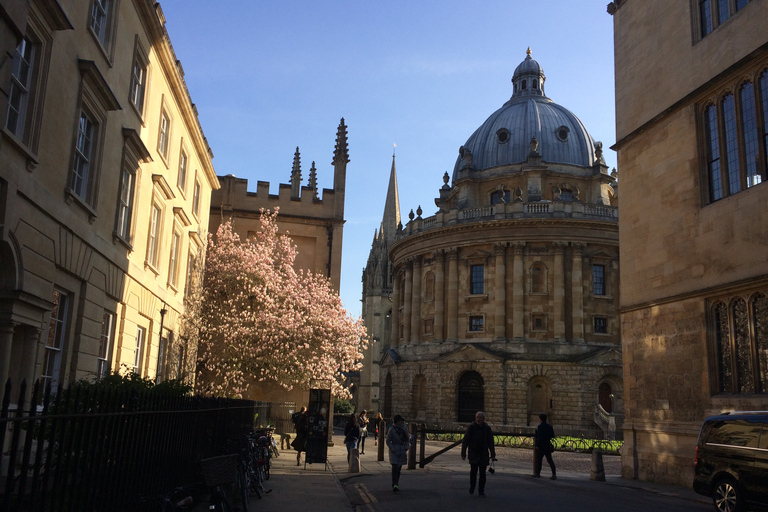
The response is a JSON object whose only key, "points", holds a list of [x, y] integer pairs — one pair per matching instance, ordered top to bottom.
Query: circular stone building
{"points": [[506, 300]]}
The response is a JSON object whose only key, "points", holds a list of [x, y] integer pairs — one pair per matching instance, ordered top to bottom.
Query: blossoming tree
{"points": [[259, 319]]}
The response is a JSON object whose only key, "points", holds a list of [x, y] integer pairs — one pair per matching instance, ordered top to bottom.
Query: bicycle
{"points": [[217, 473], [172, 501]]}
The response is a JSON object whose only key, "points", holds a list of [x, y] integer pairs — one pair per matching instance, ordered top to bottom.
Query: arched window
{"points": [[523, 84], [749, 130], [731, 143], [713, 154], [500, 196], [538, 278], [429, 287], [760, 319], [723, 348], [744, 375], [471, 397], [604, 397]]}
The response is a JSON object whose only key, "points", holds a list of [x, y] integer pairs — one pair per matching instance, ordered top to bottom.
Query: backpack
{"points": [[295, 418]]}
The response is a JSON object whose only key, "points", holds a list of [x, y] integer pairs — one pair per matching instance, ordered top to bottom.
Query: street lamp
{"points": [[161, 347]]}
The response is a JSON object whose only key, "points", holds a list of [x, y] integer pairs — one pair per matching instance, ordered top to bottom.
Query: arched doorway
{"points": [[471, 397], [604, 397], [386, 409]]}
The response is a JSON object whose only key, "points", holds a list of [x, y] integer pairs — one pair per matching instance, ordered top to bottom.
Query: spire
{"points": [[341, 151], [340, 161], [296, 175], [313, 180], [391, 217]]}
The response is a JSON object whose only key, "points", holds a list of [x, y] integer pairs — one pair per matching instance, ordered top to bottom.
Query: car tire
{"points": [[727, 496]]}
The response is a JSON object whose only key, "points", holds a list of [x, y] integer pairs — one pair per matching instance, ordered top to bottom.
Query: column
{"points": [[518, 292], [577, 293], [453, 294], [439, 295], [407, 301], [416, 301], [558, 302], [500, 320], [394, 328], [6, 344], [29, 357]]}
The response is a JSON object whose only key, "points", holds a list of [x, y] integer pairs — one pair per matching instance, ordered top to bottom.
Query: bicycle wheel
{"points": [[242, 482]]}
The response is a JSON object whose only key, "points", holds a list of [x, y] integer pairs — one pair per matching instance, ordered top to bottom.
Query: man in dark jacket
{"points": [[478, 441], [543, 447]]}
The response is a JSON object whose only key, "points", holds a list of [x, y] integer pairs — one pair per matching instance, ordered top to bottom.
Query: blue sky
{"points": [[268, 76]]}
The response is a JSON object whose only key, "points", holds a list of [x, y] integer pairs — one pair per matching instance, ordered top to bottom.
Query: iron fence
{"points": [[100, 449]]}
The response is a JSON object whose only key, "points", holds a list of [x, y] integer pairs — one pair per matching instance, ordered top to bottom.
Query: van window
{"points": [[736, 433]]}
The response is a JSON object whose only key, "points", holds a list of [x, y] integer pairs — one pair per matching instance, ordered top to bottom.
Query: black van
{"points": [[731, 461]]}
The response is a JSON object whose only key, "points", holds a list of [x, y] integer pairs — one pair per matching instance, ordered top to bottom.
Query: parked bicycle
{"points": [[178, 498]]}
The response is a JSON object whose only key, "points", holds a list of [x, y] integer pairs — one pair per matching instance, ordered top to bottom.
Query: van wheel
{"points": [[727, 496]]}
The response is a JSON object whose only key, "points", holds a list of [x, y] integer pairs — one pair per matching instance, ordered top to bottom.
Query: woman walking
{"points": [[364, 421], [351, 435], [397, 440]]}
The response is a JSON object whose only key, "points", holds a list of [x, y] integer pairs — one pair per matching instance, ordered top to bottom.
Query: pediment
{"points": [[477, 254], [469, 352], [604, 357], [390, 358]]}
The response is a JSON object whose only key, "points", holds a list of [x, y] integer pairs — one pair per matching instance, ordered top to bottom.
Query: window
{"points": [[713, 13], [99, 19], [138, 78], [19, 94], [163, 136], [733, 142], [81, 171], [182, 181], [196, 200], [125, 203], [154, 234], [172, 267], [476, 279], [538, 279], [598, 279], [538, 322], [476, 324], [600, 325], [57, 331], [105, 345], [740, 345], [138, 354], [735, 433]]}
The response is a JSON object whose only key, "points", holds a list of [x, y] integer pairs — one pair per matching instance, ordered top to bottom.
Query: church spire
{"points": [[296, 175], [313, 180], [391, 218]]}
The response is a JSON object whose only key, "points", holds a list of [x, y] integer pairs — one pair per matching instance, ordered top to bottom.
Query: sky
{"points": [[270, 75]]}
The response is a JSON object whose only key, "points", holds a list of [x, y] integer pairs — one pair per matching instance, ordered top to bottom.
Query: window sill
{"points": [[100, 45], [138, 112], [32, 161], [72, 196], [116, 238], [151, 268], [472, 296], [602, 297]]}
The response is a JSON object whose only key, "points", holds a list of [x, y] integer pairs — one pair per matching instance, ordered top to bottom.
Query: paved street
{"points": [[443, 485]]}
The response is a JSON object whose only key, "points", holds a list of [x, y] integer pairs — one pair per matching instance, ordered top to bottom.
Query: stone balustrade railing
{"points": [[516, 210]]}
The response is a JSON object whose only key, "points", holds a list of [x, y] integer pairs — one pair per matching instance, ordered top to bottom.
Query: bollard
{"points": [[382, 440], [412, 447], [354, 461], [597, 472]]}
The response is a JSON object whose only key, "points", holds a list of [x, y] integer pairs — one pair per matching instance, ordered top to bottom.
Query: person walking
{"points": [[364, 421], [376, 422], [302, 430], [351, 435], [398, 442], [478, 444], [542, 447]]}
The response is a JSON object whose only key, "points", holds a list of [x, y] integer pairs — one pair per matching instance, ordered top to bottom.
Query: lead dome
{"points": [[505, 137]]}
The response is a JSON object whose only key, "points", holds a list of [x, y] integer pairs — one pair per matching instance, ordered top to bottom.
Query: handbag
{"points": [[491, 469]]}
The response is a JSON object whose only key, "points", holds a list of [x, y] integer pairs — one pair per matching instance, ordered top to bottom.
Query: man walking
{"points": [[478, 441], [543, 447]]}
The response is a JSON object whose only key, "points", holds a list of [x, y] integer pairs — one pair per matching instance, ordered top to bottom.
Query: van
{"points": [[731, 460]]}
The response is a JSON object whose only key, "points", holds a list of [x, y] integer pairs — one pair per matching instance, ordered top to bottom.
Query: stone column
{"points": [[501, 292], [518, 292], [577, 293], [453, 294], [439, 295], [407, 301], [416, 301], [558, 302], [394, 334], [6, 344], [29, 357]]}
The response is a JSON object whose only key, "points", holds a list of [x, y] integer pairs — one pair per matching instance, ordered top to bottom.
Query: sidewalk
{"points": [[313, 486]]}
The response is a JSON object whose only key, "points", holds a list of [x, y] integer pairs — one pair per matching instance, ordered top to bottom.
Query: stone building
{"points": [[691, 130], [105, 178], [315, 225], [377, 298], [506, 299]]}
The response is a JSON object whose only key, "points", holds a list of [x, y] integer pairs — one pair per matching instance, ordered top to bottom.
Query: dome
{"points": [[505, 137]]}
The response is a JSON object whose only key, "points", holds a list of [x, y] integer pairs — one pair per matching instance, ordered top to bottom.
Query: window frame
{"points": [[716, 19], [105, 38], [139, 85], [24, 90], [164, 133], [182, 172], [196, 197], [155, 233], [175, 254], [602, 281], [476, 282], [603, 322], [472, 323], [58, 326], [138, 351], [104, 361]]}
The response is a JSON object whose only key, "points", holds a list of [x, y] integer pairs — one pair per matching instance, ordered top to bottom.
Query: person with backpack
{"points": [[301, 421], [398, 442], [478, 442]]}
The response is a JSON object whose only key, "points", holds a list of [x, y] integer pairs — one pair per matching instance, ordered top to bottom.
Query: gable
{"points": [[469, 352], [604, 357]]}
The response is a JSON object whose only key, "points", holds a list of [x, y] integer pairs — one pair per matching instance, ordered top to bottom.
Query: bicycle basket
{"points": [[219, 470]]}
